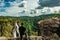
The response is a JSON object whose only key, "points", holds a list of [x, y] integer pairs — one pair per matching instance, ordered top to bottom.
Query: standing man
{"points": [[22, 31]]}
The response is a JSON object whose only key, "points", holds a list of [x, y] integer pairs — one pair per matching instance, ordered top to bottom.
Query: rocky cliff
{"points": [[50, 27]]}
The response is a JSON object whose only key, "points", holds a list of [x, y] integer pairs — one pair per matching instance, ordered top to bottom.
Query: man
{"points": [[22, 31]]}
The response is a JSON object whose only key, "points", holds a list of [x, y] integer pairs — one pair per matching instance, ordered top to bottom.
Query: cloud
{"points": [[49, 3], [31, 4], [14, 9]]}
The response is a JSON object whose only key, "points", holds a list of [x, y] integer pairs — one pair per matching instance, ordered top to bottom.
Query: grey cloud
{"points": [[49, 3]]}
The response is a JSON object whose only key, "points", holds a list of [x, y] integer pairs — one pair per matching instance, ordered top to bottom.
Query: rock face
{"points": [[50, 28], [3, 38]]}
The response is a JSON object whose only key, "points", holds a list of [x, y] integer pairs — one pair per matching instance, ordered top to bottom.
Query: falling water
{"points": [[16, 30]]}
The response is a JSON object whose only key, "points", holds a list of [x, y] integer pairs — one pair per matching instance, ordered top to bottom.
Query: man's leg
{"points": [[21, 37]]}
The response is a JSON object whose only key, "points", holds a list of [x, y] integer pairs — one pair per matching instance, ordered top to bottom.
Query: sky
{"points": [[24, 7]]}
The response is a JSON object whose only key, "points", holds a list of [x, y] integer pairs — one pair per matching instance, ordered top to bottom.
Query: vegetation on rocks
{"points": [[50, 28]]}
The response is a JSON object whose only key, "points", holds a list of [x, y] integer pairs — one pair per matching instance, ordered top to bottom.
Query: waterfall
{"points": [[17, 27], [16, 30], [14, 33]]}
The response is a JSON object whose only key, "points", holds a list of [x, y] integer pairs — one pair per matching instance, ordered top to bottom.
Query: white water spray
{"points": [[16, 30]]}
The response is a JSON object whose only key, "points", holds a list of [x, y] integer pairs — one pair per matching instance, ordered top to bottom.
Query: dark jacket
{"points": [[22, 30]]}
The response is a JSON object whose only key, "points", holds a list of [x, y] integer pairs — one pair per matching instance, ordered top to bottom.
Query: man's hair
{"points": [[21, 23]]}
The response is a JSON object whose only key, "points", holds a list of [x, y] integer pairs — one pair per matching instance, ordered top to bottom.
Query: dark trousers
{"points": [[21, 37]]}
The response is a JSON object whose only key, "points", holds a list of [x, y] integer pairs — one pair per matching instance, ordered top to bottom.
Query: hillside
{"points": [[8, 23]]}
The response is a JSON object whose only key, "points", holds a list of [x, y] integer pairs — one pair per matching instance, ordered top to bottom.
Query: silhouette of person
{"points": [[22, 31]]}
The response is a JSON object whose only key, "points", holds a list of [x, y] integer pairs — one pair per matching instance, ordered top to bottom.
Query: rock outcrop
{"points": [[50, 28]]}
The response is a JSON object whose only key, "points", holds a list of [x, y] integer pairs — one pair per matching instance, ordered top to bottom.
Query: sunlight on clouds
{"points": [[31, 4], [28, 5], [14, 9], [53, 9]]}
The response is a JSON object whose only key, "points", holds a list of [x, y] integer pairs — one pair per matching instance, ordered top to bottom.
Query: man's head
{"points": [[21, 24]]}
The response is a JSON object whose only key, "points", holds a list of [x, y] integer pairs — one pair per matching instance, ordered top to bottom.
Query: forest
{"points": [[7, 24]]}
